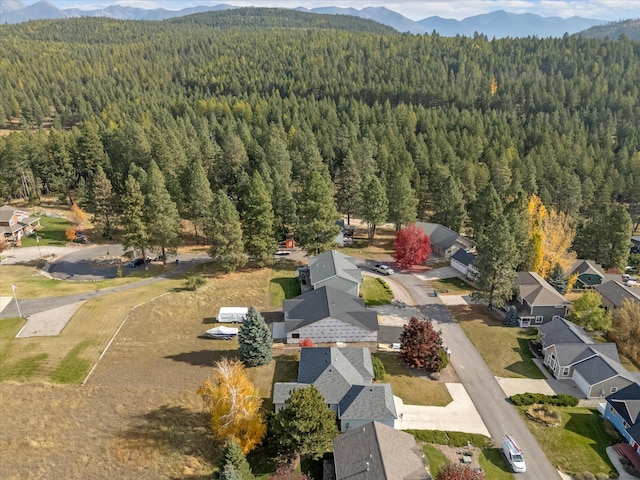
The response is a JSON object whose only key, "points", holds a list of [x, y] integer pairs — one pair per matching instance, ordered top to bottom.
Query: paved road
{"points": [[37, 305], [496, 412], [498, 415]]}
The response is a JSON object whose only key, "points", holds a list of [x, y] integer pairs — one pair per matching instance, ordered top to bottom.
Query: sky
{"points": [[415, 10]]}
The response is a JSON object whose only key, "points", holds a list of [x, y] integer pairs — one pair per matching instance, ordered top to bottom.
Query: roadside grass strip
{"points": [[375, 291], [504, 349], [578, 444]]}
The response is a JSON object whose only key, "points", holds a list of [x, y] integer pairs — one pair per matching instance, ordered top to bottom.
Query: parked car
{"points": [[81, 238], [136, 262], [383, 269], [513, 454]]}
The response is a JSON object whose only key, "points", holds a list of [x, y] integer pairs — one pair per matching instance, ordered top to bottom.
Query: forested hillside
{"points": [[614, 30], [288, 99]]}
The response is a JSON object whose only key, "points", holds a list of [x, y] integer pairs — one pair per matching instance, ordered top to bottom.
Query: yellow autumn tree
{"points": [[537, 211], [78, 216], [558, 235], [234, 403]]}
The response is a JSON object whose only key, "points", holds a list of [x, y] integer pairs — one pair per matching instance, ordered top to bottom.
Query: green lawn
{"points": [[52, 233], [284, 283], [450, 286], [375, 291], [505, 349], [412, 389], [578, 444], [437, 460], [494, 465]]}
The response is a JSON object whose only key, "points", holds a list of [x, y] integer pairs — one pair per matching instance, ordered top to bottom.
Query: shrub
{"points": [[70, 234], [194, 282], [306, 342], [445, 359], [378, 368], [561, 400], [545, 414], [453, 439], [455, 471], [584, 476]]}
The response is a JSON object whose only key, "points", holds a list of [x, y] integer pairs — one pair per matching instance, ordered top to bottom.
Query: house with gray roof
{"points": [[15, 223], [444, 241], [463, 261], [333, 269], [588, 274], [613, 293], [537, 302], [327, 315], [571, 353], [344, 377], [623, 411], [375, 451]]}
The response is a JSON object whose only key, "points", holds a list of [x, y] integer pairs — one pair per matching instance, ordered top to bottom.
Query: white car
{"points": [[383, 269]]}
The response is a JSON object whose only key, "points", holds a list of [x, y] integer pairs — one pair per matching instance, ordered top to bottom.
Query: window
{"points": [[557, 317], [539, 319], [295, 335], [565, 371], [614, 389]]}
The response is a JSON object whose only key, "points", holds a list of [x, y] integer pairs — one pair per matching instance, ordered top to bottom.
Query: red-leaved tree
{"points": [[411, 247], [306, 342], [421, 345], [455, 471]]}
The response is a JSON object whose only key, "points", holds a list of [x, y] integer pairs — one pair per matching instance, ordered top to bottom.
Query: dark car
{"points": [[81, 238], [138, 261]]}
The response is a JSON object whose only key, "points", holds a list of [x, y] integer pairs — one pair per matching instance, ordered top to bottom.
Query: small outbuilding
{"points": [[232, 314]]}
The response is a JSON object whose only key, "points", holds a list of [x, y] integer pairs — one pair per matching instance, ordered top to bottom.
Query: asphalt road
{"points": [[498, 414]]}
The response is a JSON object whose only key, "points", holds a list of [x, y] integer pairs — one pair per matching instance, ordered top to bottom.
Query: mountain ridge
{"points": [[496, 24]]}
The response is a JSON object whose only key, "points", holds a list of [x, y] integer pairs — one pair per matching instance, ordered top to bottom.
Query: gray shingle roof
{"points": [[444, 237], [464, 257], [333, 264], [586, 266], [536, 291], [616, 292], [324, 302], [563, 331], [600, 368], [282, 390], [374, 402], [627, 403], [378, 452]]}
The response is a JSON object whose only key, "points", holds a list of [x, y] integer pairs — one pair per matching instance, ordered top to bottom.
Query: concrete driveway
{"points": [[459, 416]]}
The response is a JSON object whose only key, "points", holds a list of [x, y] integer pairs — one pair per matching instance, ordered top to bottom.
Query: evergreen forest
{"points": [[315, 115]]}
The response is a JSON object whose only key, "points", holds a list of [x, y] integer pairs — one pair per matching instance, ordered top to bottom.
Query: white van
{"points": [[513, 454]]}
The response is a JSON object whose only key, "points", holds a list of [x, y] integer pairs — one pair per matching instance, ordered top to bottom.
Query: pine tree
{"points": [[348, 188], [198, 197], [402, 200], [103, 201], [449, 205], [375, 206], [485, 210], [161, 213], [317, 215], [258, 219], [132, 220], [224, 231], [496, 265], [558, 280], [511, 319], [254, 340], [306, 426], [232, 456], [229, 472]]}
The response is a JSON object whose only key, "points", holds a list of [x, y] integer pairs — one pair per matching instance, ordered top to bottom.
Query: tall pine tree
{"points": [[198, 197], [375, 206], [317, 215], [132, 220], [224, 231], [259, 240], [254, 339]]}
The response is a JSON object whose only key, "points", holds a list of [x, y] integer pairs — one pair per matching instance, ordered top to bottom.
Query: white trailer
{"points": [[232, 314]]}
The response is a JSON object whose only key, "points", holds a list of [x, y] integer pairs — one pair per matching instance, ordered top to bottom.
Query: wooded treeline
{"points": [[425, 121]]}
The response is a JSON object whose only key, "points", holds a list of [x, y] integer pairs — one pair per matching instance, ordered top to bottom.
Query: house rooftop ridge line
{"points": [[333, 264]]}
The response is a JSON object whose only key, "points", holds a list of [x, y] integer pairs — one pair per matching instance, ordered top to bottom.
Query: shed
{"points": [[232, 314]]}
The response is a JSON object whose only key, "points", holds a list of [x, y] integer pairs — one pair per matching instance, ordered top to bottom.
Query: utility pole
{"points": [[38, 242], [13, 287]]}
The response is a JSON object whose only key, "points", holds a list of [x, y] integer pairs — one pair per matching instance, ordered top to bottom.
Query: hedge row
{"points": [[560, 400], [453, 439]]}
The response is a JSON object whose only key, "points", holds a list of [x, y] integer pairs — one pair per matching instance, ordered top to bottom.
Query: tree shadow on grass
{"points": [[205, 358], [525, 367], [589, 425], [165, 432]]}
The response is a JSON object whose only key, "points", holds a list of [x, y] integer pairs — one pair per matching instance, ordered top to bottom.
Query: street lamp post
{"points": [[38, 242], [13, 287]]}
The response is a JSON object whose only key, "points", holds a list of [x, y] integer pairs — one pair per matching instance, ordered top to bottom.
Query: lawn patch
{"points": [[52, 233], [284, 282], [450, 286], [375, 291], [9, 328], [512, 359], [72, 368], [21, 370], [411, 388], [578, 444], [437, 460], [494, 465]]}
